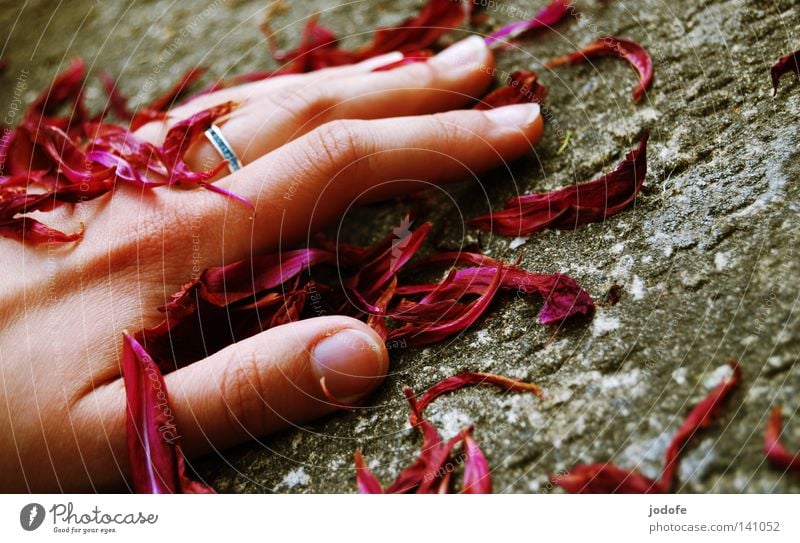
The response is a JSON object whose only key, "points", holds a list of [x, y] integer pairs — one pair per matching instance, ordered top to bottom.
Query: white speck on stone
{"points": [[517, 242], [617, 248], [721, 261], [637, 288], [603, 324], [482, 337], [679, 376], [716, 376], [632, 383], [451, 422], [296, 477]]}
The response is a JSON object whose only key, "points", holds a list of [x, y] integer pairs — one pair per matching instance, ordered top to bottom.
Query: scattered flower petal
{"points": [[547, 17], [636, 55], [789, 63], [522, 88], [572, 206], [776, 453], [156, 461], [608, 478]]}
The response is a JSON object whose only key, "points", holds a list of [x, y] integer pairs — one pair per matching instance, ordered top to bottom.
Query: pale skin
{"points": [[312, 145]]}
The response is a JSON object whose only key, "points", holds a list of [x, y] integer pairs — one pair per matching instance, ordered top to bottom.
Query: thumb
{"points": [[272, 380], [259, 385]]}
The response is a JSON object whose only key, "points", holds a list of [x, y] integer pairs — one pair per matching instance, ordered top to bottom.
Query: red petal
{"points": [[548, 16], [435, 19], [319, 48], [636, 55], [789, 63], [522, 87], [65, 89], [116, 101], [182, 135], [572, 206], [30, 230], [435, 332], [470, 378], [700, 417], [776, 453], [156, 463], [477, 476], [605, 479], [366, 480]]}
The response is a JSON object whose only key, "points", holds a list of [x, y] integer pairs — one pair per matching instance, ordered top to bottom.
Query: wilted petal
{"points": [[548, 16], [636, 55], [789, 63], [522, 87], [572, 206], [472, 378], [700, 417], [776, 453], [156, 463], [477, 475], [605, 479], [366, 480]]}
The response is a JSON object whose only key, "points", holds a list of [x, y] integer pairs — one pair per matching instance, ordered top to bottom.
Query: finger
{"points": [[447, 81], [245, 93], [300, 187], [259, 385]]}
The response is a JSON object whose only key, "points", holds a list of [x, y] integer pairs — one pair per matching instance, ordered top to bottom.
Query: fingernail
{"points": [[469, 52], [516, 116], [352, 363]]}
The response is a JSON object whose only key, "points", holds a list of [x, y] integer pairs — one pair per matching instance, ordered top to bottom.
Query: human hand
{"points": [[312, 144]]}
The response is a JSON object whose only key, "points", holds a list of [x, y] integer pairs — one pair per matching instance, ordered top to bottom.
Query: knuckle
{"points": [[302, 106], [336, 145], [241, 387]]}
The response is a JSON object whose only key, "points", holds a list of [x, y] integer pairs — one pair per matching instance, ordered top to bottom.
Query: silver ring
{"points": [[223, 147]]}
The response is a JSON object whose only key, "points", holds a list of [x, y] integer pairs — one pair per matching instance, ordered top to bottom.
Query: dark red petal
{"points": [[548, 16], [436, 18], [319, 48], [636, 55], [789, 63], [522, 87], [66, 88], [116, 101], [182, 135], [572, 206], [30, 230], [244, 279], [562, 295], [436, 331], [470, 378], [699, 418], [776, 453], [153, 462], [156, 462], [477, 475], [605, 479], [366, 480], [189, 486]]}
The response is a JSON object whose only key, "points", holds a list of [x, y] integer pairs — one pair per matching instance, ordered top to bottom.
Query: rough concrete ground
{"points": [[708, 258]]}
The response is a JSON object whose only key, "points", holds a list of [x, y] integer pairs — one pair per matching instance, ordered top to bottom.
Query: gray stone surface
{"points": [[708, 258]]}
